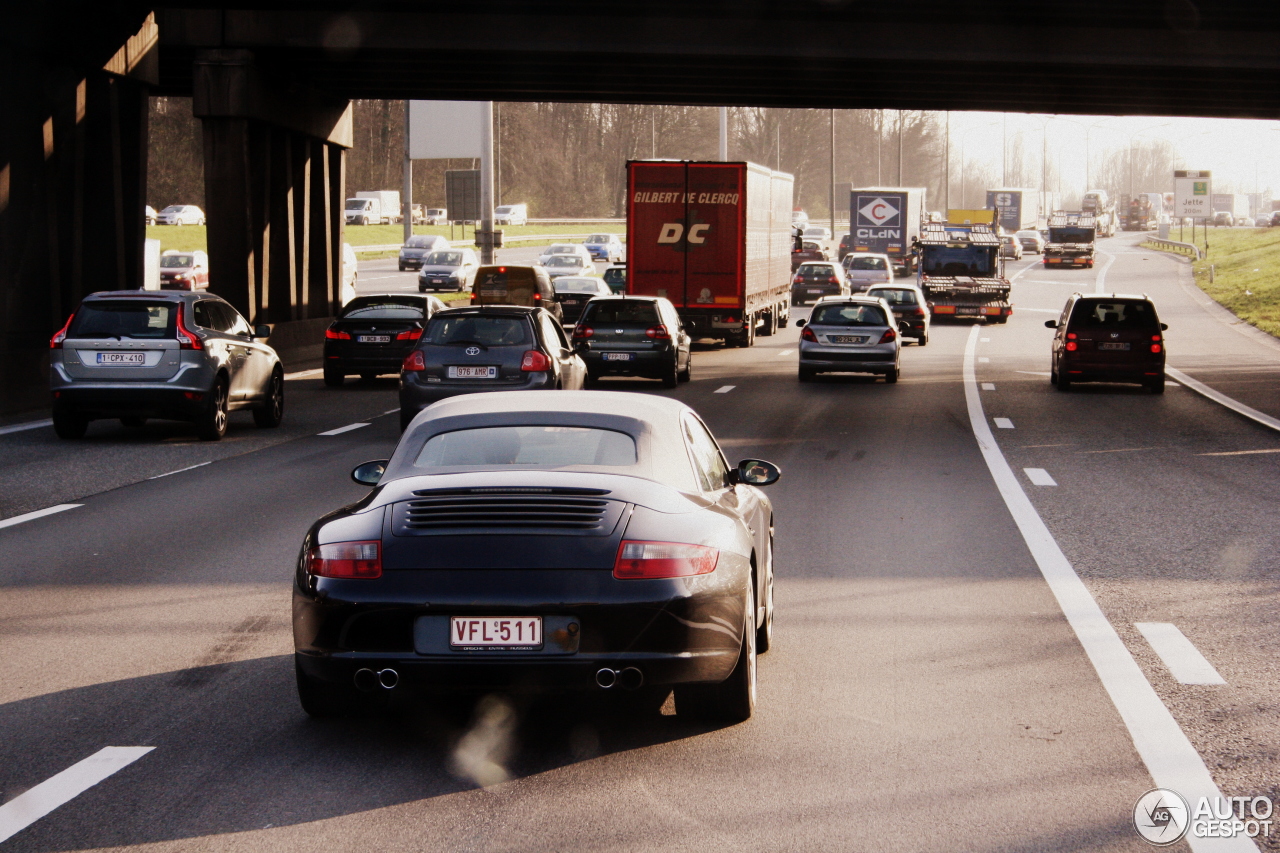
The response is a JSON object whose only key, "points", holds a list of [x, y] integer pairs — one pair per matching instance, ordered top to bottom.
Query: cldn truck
{"points": [[886, 221], [715, 239]]}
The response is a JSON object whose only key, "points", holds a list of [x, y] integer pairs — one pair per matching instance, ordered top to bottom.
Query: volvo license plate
{"points": [[130, 358], [495, 632]]}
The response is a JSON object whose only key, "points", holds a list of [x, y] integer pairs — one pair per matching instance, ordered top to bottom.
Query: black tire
{"points": [[402, 267], [771, 324], [748, 337], [923, 340], [686, 374], [806, 374], [368, 377], [671, 377], [891, 377], [333, 378], [589, 381], [1064, 384], [1156, 386], [272, 410], [406, 417], [134, 421], [212, 423], [69, 424], [764, 634], [734, 699], [321, 700]]}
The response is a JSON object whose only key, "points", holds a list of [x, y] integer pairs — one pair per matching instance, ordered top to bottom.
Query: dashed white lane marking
{"points": [[984, 340], [785, 352], [984, 360], [1034, 372], [304, 374], [988, 386], [725, 389], [1218, 397], [390, 411], [1003, 423], [26, 426], [341, 430], [1240, 452], [180, 470], [1039, 477], [40, 513], [1179, 654], [1170, 758], [28, 807]]}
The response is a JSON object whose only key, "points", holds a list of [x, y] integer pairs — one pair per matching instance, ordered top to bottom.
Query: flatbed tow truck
{"points": [[1071, 240], [961, 271]]}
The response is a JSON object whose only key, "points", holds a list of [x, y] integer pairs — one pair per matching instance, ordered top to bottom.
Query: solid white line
{"points": [[1102, 273], [1043, 310], [785, 352], [1034, 372], [304, 374], [988, 386], [725, 389], [1218, 397], [1003, 423], [23, 427], [341, 430], [1241, 452], [180, 470], [1039, 477], [40, 513], [1183, 659], [1170, 758], [29, 806]]}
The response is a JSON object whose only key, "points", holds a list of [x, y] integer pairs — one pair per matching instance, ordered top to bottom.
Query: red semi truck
{"points": [[715, 239]]}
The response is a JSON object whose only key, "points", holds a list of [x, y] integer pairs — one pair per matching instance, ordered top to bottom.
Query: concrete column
{"points": [[229, 203], [320, 243]]}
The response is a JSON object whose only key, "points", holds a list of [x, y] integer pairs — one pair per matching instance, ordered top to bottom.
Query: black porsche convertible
{"points": [[569, 540]]}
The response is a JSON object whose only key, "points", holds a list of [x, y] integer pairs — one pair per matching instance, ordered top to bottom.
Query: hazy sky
{"points": [[1236, 151]]}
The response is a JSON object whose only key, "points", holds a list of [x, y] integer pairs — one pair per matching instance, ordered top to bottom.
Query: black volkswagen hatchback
{"points": [[373, 334], [634, 336], [1108, 338], [487, 348], [588, 541]]}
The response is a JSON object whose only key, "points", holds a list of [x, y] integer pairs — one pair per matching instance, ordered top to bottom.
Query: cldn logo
{"points": [[673, 232]]}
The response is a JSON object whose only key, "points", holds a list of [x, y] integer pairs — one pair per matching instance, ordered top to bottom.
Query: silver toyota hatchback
{"points": [[850, 334], [138, 354]]}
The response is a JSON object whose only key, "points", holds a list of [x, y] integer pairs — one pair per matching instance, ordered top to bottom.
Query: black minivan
{"points": [[1108, 338]]}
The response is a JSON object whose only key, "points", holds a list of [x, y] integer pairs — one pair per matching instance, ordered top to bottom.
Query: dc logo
{"points": [[672, 232], [472, 350], [1161, 816]]}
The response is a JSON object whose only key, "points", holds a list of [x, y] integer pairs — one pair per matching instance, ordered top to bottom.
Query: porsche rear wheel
{"points": [[734, 699]]}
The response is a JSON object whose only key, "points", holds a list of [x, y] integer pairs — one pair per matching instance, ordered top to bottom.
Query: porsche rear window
{"points": [[528, 446]]}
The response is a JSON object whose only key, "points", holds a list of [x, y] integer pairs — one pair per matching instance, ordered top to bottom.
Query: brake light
{"points": [[833, 280], [474, 296], [537, 297], [919, 312], [583, 331], [658, 333], [61, 335], [335, 335], [410, 335], [807, 335], [888, 336], [1071, 336], [186, 338], [1072, 346], [1155, 348], [535, 361], [413, 362], [346, 560], [647, 560]]}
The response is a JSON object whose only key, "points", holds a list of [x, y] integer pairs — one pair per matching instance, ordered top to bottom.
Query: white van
{"points": [[511, 214]]}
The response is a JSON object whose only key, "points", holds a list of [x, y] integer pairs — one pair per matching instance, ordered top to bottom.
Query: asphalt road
{"points": [[926, 690]]}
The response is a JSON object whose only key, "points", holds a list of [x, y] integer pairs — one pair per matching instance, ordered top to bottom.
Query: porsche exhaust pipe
{"points": [[388, 678], [606, 678], [631, 678], [366, 680]]}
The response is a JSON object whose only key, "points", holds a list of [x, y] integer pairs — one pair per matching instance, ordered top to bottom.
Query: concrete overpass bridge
{"points": [[271, 82]]}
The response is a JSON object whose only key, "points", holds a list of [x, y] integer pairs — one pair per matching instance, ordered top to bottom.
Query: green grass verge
{"points": [[186, 238], [1246, 274]]}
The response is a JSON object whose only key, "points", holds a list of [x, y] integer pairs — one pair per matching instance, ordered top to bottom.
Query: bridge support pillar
{"points": [[274, 186]]}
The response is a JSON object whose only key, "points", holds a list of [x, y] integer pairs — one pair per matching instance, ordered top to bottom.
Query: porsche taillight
{"points": [[349, 560], [649, 560]]}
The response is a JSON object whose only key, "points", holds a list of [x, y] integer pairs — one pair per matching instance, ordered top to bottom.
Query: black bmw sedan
{"points": [[374, 333], [590, 541]]}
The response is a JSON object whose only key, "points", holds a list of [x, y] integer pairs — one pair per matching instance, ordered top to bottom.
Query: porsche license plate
{"points": [[374, 339], [134, 358], [467, 372], [496, 632]]}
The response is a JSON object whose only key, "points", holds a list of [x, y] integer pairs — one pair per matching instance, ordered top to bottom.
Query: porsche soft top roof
{"points": [[653, 422]]}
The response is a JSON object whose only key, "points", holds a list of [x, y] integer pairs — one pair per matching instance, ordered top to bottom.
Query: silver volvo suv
{"points": [[138, 354]]}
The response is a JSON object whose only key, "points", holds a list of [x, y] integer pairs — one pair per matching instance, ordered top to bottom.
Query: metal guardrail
{"points": [[1174, 246], [391, 247]]}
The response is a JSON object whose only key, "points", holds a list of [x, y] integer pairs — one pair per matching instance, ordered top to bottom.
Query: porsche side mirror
{"points": [[1051, 324], [262, 331], [756, 472], [370, 473]]}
